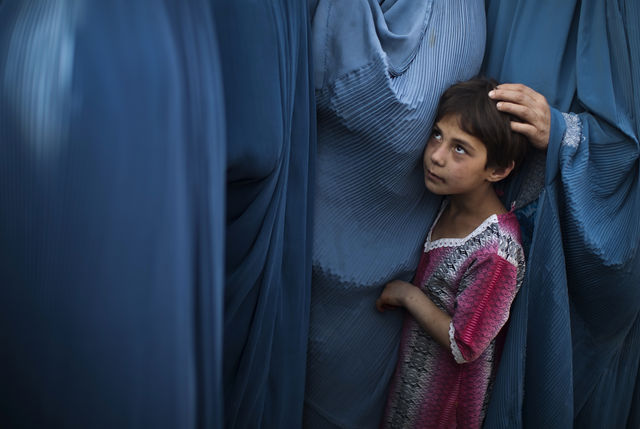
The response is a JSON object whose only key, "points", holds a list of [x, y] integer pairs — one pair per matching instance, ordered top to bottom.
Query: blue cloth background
{"points": [[270, 116], [138, 200], [111, 215], [573, 349]]}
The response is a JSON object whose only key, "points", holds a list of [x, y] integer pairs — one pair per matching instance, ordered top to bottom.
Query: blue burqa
{"points": [[270, 117], [156, 167], [112, 168], [572, 355]]}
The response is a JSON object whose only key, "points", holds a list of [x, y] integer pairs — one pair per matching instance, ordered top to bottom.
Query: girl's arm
{"points": [[433, 320]]}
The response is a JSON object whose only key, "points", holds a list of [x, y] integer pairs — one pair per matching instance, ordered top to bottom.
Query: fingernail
{"points": [[492, 93], [499, 105]]}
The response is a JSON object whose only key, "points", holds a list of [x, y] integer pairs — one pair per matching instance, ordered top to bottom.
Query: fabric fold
{"points": [[584, 263]]}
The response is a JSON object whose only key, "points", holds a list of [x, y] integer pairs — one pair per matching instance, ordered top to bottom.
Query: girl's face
{"points": [[455, 161]]}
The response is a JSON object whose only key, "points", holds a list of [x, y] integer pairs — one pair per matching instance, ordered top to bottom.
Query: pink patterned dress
{"points": [[474, 279]]}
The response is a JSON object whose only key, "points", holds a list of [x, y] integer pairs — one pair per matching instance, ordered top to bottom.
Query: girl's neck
{"points": [[479, 205], [463, 214]]}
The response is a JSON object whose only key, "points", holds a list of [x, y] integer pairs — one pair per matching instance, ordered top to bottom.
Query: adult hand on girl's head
{"points": [[528, 105]]}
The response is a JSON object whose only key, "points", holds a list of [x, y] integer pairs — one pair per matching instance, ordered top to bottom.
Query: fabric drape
{"points": [[379, 70], [270, 121], [112, 160], [119, 186], [572, 353]]}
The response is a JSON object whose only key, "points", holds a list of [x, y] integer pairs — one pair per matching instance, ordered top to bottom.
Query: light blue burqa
{"points": [[379, 70]]}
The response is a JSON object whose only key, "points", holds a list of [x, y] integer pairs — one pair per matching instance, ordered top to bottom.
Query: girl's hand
{"points": [[528, 105], [394, 295]]}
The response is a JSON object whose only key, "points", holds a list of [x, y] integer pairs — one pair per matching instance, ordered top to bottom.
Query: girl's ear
{"points": [[496, 174]]}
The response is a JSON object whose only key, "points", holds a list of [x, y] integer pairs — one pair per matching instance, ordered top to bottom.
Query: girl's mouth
{"points": [[434, 178]]}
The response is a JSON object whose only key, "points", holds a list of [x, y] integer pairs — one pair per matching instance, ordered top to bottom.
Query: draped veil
{"points": [[112, 157], [573, 349]]}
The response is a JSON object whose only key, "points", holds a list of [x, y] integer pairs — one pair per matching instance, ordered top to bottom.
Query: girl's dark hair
{"points": [[479, 116]]}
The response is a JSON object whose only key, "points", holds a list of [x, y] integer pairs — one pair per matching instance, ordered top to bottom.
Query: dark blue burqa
{"points": [[270, 114], [129, 132], [111, 215], [573, 349]]}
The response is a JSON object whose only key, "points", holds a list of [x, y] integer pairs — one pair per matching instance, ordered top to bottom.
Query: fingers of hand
{"points": [[513, 87], [516, 90], [523, 90], [515, 93], [519, 94], [515, 97], [528, 105], [524, 112], [536, 114], [523, 128], [539, 138], [391, 295], [385, 299], [383, 304]]}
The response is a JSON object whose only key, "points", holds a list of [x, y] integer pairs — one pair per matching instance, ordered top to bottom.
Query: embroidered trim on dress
{"points": [[573, 134], [454, 242], [457, 355]]}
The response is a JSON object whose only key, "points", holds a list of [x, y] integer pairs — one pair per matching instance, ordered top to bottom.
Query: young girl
{"points": [[469, 273]]}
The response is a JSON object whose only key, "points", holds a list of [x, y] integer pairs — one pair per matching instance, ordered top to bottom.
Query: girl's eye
{"points": [[436, 135], [459, 149]]}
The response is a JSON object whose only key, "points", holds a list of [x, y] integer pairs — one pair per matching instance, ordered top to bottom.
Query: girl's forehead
{"points": [[451, 120], [451, 123], [451, 127]]}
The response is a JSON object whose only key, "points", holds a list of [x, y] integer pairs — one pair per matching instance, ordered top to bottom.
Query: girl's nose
{"points": [[438, 155]]}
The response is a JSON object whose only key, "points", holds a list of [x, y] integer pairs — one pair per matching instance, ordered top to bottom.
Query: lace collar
{"points": [[454, 242]]}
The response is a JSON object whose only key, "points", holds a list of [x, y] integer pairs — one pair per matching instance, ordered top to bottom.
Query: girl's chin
{"points": [[434, 189]]}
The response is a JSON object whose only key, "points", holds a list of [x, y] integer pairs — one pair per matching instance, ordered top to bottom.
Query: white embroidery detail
{"points": [[573, 134], [454, 242], [454, 347]]}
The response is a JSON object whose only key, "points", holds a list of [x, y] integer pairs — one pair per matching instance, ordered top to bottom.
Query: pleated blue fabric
{"points": [[379, 70], [270, 119], [112, 163], [572, 355]]}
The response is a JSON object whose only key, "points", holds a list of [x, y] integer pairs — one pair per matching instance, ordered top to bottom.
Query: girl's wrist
{"points": [[411, 296]]}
